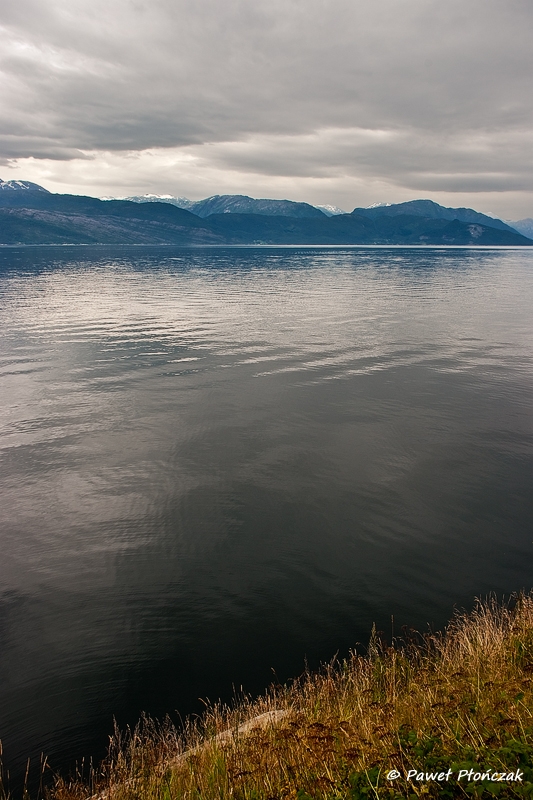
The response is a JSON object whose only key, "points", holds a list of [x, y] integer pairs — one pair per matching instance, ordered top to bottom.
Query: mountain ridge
{"points": [[235, 204], [243, 204], [432, 210], [31, 216]]}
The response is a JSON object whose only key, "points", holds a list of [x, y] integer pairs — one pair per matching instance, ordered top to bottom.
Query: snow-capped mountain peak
{"points": [[15, 186], [180, 202], [330, 211]]}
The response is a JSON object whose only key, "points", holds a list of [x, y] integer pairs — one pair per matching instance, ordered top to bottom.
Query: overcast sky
{"points": [[347, 102]]}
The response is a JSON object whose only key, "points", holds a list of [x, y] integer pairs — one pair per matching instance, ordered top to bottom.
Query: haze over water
{"points": [[215, 463]]}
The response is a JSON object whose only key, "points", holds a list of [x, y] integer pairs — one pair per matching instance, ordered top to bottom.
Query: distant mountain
{"points": [[16, 186], [180, 202], [236, 204], [242, 204], [430, 210], [331, 211], [29, 216], [523, 226]]}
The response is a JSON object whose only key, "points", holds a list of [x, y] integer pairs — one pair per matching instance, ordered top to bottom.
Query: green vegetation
{"points": [[460, 700]]}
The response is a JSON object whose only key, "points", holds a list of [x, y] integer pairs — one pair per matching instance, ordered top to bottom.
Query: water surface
{"points": [[217, 463]]}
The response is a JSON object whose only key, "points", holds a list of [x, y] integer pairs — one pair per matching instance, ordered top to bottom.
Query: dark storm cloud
{"points": [[439, 87]]}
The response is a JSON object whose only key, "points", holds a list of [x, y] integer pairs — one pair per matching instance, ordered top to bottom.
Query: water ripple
{"points": [[217, 462]]}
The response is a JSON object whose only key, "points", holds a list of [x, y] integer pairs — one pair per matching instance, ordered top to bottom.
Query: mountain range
{"points": [[237, 204], [29, 214]]}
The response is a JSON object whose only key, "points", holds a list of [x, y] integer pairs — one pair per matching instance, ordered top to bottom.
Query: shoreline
{"points": [[440, 715]]}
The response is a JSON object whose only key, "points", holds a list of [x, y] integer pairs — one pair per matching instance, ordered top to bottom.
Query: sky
{"points": [[347, 102]]}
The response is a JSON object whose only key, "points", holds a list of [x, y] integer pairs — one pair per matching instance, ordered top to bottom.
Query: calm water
{"points": [[219, 463]]}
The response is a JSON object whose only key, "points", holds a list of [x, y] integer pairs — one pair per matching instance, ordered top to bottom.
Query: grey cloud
{"points": [[131, 75], [466, 161], [468, 182]]}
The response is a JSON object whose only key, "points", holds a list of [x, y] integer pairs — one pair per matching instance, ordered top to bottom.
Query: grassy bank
{"points": [[434, 705]]}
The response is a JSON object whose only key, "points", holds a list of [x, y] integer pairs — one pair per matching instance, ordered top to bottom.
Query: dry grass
{"points": [[462, 699]]}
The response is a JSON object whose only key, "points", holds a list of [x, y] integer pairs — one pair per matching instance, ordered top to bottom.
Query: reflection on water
{"points": [[215, 463]]}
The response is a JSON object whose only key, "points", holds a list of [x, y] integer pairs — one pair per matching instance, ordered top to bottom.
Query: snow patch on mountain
{"points": [[15, 186], [180, 202], [330, 211]]}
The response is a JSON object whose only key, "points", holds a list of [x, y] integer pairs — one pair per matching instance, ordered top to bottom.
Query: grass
{"points": [[459, 700]]}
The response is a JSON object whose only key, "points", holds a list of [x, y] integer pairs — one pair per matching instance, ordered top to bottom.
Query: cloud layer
{"points": [[342, 97]]}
